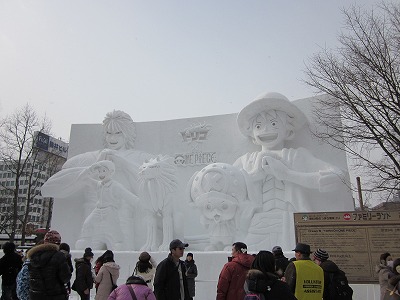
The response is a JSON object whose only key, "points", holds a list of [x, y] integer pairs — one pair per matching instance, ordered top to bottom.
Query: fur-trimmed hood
{"points": [[41, 248], [41, 255]]}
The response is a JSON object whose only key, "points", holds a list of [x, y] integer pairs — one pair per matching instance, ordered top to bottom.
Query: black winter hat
{"points": [[88, 252]]}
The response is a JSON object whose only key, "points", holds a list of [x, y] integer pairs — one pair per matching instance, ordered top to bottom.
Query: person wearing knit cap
{"points": [[65, 249], [320, 255], [281, 261], [146, 268], [330, 269], [304, 270], [49, 272], [191, 274], [83, 275]]}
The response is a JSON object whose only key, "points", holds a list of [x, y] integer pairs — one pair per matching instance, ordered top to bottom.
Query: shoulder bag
{"points": [[113, 286], [132, 292], [392, 294]]}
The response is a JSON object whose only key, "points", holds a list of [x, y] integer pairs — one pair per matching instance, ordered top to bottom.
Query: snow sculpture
{"points": [[119, 137], [278, 179], [157, 184], [218, 190], [102, 228]]}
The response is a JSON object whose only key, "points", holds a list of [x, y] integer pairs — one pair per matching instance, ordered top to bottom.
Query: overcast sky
{"points": [[76, 60]]}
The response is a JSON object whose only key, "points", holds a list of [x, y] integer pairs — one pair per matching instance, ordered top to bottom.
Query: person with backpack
{"points": [[10, 265], [336, 284]]}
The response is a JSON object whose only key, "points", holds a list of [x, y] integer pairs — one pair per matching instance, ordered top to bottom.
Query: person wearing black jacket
{"points": [[281, 261], [10, 265], [49, 272], [191, 274], [84, 279], [170, 281], [272, 288]]}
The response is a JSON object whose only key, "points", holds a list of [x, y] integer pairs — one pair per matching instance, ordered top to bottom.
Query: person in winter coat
{"points": [[65, 249], [281, 261], [99, 262], [10, 265], [146, 268], [48, 270], [383, 270], [191, 274], [233, 274], [107, 276], [394, 276], [83, 279], [170, 280], [23, 281], [137, 285], [273, 288]]}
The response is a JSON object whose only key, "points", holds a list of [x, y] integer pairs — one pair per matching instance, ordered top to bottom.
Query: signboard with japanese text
{"points": [[354, 240]]}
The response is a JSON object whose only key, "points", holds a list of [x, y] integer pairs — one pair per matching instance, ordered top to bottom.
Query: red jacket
{"points": [[233, 276]]}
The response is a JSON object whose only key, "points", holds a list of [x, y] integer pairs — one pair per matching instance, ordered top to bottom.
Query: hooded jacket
{"points": [[48, 273], [232, 277], [83, 278], [103, 278]]}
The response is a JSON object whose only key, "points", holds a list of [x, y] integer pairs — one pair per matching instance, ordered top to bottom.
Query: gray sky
{"points": [[157, 60]]}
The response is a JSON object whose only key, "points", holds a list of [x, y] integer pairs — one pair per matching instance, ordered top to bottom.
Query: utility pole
{"points": [[360, 199]]}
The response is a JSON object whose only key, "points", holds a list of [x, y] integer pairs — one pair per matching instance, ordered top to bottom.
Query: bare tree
{"points": [[362, 80], [26, 165]]}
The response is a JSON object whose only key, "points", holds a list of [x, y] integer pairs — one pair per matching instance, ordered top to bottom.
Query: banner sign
{"points": [[354, 240]]}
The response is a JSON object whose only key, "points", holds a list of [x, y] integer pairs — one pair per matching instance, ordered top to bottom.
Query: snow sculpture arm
{"points": [[306, 171], [64, 183]]}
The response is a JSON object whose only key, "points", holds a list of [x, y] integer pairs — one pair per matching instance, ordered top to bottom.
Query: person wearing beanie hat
{"points": [[52, 237], [65, 249], [320, 255], [281, 261], [10, 265], [146, 268], [304, 269], [331, 271], [49, 272], [191, 274], [83, 275], [170, 281]]}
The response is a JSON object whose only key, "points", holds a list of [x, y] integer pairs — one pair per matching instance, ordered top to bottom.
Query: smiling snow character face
{"points": [[270, 129], [103, 170], [219, 209]]}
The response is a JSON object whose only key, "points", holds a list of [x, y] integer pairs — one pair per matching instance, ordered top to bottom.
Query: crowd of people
{"points": [[45, 273]]}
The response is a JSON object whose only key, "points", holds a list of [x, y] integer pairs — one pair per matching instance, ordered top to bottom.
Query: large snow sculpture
{"points": [[119, 137], [278, 179], [157, 184], [218, 190], [102, 228]]}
